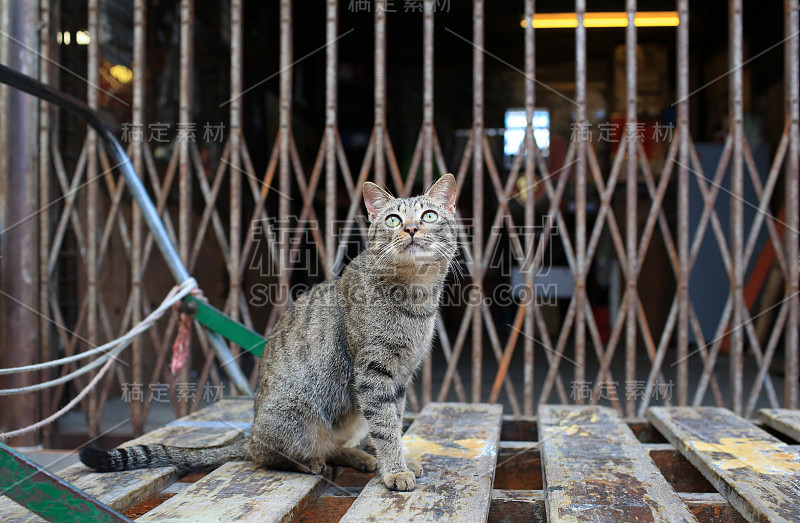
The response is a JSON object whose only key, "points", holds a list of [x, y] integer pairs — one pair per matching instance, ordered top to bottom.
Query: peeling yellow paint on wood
{"points": [[458, 445], [416, 446], [765, 457], [596, 470], [755, 471]]}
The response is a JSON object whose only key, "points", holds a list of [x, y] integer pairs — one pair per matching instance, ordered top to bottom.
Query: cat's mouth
{"points": [[414, 246]]}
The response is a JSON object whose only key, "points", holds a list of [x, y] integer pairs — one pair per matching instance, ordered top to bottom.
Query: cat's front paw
{"points": [[414, 466], [402, 481]]}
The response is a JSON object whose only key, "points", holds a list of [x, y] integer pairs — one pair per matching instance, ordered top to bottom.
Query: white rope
{"points": [[175, 295], [63, 379], [50, 419]]}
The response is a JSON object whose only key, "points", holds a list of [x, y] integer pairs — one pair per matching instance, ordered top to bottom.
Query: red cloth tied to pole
{"points": [[180, 348]]}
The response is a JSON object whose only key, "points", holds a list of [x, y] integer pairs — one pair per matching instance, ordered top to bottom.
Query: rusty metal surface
{"points": [[457, 446], [596, 470], [755, 471]]}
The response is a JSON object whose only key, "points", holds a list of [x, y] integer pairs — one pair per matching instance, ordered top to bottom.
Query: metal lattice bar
{"points": [[792, 344]]}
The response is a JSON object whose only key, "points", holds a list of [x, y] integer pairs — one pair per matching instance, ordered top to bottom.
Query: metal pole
{"points": [[45, 39], [792, 72], [331, 74], [186, 88], [380, 91], [427, 93], [184, 116], [285, 118], [427, 150], [234, 170], [580, 198], [19, 199], [477, 201], [683, 203], [530, 205], [93, 218], [631, 226], [137, 239], [737, 276]]}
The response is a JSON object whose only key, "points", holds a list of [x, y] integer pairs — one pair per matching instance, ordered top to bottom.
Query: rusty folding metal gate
{"points": [[92, 200]]}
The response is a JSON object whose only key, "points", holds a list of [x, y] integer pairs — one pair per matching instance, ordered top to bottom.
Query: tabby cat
{"points": [[342, 355]]}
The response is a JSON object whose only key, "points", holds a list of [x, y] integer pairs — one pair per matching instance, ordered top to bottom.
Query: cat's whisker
{"points": [[440, 248], [386, 252]]}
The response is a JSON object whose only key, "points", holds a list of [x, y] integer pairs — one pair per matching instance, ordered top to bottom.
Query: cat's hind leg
{"points": [[291, 440], [270, 458], [353, 458]]}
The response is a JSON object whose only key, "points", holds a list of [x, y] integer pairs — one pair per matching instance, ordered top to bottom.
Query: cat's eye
{"points": [[429, 216], [393, 221]]}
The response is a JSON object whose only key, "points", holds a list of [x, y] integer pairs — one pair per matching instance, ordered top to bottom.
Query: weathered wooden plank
{"points": [[785, 421], [217, 424], [457, 446], [596, 470], [756, 472], [242, 491], [525, 506]]}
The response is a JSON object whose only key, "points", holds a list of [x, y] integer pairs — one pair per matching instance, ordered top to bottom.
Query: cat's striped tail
{"points": [[184, 459]]}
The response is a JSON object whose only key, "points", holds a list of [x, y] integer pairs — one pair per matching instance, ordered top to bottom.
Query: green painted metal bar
{"points": [[215, 320], [46, 494]]}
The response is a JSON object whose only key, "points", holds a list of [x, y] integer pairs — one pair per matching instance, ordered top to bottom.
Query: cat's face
{"points": [[416, 231]]}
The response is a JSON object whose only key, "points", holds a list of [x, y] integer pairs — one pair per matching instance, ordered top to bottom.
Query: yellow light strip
{"points": [[599, 19], [656, 19], [604, 20], [554, 21]]}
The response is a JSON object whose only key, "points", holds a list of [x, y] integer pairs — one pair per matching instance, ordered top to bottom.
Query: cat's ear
{"points": [[443, 192], [376, 199]]}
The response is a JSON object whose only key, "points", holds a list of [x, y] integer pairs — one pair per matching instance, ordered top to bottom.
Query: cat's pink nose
{"points": [[411, 229]]}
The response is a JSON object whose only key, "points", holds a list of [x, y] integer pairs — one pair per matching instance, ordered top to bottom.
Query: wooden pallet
{"points": [[571, 464]]}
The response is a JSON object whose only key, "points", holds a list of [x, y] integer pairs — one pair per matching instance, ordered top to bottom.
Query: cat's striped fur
{"points": [[344, 354]]}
